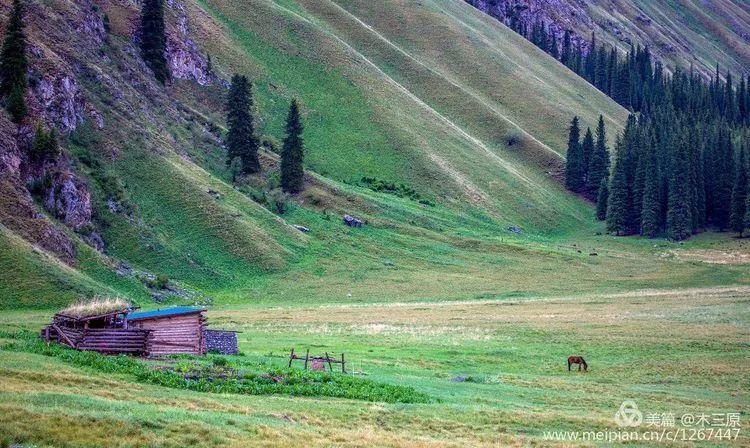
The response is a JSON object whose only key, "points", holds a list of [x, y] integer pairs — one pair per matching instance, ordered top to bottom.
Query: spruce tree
{"points": [[153, 39], [567, 50], [590, 61], [13, 64], [241, 140], [587, 150], [292, 153], [599, 161], [574, 168], [723, 172], [739, 195], [601, 200], [619, 203], [651, 204], [621, 217], [679, 221]]}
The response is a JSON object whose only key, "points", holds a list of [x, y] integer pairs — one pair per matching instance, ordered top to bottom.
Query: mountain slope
{"points": [[680, 33], [468, 114]]}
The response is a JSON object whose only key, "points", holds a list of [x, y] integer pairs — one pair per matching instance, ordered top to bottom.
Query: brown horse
{"points": [[578, 360]]}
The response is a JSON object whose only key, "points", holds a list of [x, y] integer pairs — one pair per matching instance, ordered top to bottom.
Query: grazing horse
{"points": [[578, 360]]}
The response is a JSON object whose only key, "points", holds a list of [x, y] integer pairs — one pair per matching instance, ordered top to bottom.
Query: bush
{"points": [[45, 146], [401, 190], [276, 201], [159, 282]]}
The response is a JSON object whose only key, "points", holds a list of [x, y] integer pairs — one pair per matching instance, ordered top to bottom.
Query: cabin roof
{"points": [[168, 312]]}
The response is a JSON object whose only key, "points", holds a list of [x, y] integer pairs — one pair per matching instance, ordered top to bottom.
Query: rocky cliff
{"points": [[624, 22]]}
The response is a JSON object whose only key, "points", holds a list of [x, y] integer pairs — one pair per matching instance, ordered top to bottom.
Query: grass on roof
{"points": [[95, 307]]}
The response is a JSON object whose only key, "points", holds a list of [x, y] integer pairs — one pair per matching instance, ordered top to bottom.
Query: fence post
{"points": [[307, 357]]}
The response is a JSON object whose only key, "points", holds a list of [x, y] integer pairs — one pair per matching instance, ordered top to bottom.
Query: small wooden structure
{"points": [[178, 330], [105, 333], [318, 362]]}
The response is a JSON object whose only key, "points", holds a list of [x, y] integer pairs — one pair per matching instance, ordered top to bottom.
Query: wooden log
{"points": [[63, 335], [328, 358]]}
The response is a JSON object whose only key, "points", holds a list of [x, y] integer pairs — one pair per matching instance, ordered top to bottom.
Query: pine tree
{"points": [[153, 39], [554, 50], [567, 50], [590, 62], [13, 64], [241, 140], [587, 150], [292, 153], [599, 161], [574, 168], [723, 172], [739, 195], [601, 200], [651, 205], [621, 217], [679, 221]]}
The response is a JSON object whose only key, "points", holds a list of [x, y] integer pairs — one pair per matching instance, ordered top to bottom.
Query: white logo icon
{"points": [[628, 414]]}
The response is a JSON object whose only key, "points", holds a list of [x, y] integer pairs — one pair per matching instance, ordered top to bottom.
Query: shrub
{"points": [[276, 201]]}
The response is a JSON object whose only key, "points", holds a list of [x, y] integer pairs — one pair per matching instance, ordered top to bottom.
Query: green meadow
{"points": [[456, 304]]}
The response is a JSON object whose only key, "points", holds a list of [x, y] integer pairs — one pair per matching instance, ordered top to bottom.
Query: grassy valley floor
{"points": [[496, 368]]}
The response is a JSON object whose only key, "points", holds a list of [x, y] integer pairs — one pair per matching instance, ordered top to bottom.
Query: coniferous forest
{"points": [[680, 165]]}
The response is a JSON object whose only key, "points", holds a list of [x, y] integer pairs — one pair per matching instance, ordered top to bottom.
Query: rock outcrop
{"points": [[185, 58], [60, 101], [69, 200]]}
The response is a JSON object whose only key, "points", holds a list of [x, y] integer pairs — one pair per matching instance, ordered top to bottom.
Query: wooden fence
{"points": [[316, 361]]}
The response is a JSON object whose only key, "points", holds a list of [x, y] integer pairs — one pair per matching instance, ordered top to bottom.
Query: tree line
{"points": [[634, 79], [680, 164], [678, 169]]}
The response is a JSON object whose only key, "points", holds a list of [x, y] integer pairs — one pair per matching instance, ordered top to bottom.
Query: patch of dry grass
{"points": [[96, 307]]}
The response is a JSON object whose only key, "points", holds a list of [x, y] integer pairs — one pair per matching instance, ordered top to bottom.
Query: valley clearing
{"points": [[495, 369]]}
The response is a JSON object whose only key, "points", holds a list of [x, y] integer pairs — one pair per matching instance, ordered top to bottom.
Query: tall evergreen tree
{"points": [[153, 39], [567, 50], [590, 62], [13, 64], [241, 140], [587, 150], [292, 154], [599, 161], [574, 167], [723, 172], [739, 195], [651, 205], [621, 217], [679, 221]]}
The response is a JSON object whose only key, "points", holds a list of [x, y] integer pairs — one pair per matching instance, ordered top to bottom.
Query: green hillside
{"points": [[469, 115]]}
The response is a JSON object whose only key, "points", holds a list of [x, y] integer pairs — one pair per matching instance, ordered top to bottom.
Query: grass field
{"points": [[456, 313], [671, 351]]}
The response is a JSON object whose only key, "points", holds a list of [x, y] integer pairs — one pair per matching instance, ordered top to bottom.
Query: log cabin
{"points": [[178, 330]]}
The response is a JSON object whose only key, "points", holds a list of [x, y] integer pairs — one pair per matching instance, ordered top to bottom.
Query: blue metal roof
{"points": [[176, 311]]}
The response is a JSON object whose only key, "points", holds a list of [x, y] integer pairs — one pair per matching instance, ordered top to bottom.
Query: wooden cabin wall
{"points": [[174, 334]]}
